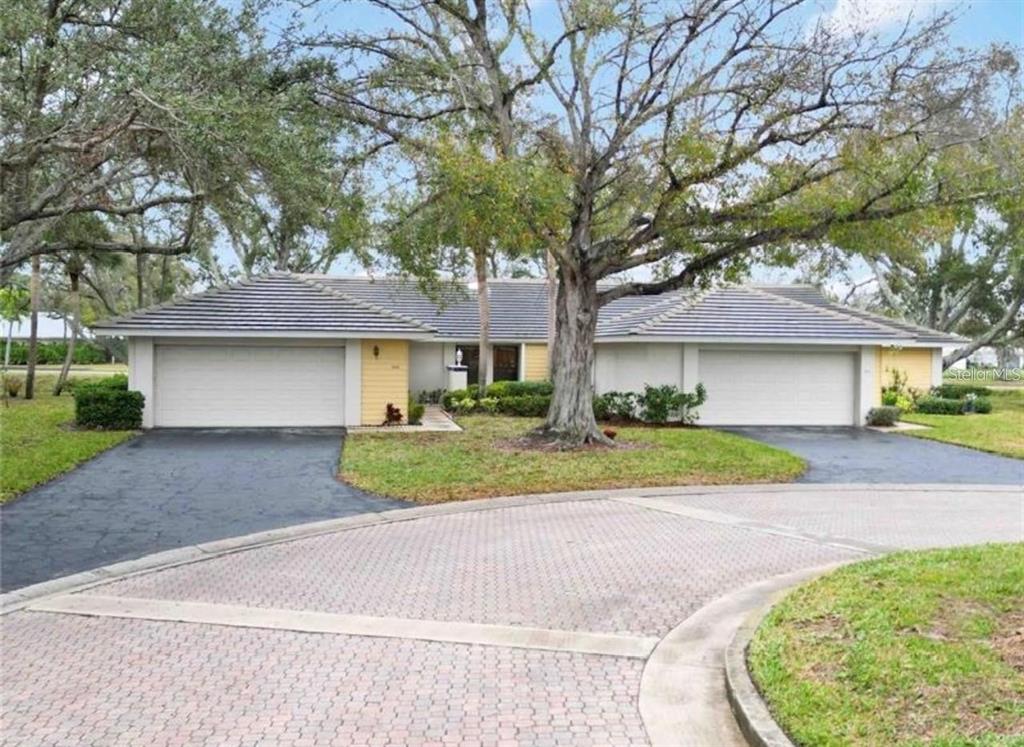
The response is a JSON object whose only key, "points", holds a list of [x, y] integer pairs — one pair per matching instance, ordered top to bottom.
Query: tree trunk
{"points": [[552, 268], [165, 279], [140, 280], [35, 291], [76, 325], [485, 374], [570, 420]]}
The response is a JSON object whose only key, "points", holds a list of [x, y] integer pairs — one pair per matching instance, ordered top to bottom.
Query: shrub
{"points": [[12, 385], [519, 388], [959, 391], [450, 398], [489, 404], [659, 404], [525, 405], [983, 405], [462, 406], [615, 406], [939, 406], [108, 407], [415, 410], [392, 415], [884, 416]]}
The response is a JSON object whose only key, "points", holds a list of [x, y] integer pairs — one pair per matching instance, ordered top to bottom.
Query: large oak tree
{"points": [[692, 134]]}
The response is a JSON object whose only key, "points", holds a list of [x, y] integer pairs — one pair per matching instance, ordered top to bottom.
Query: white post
{"points": [[868, 362], [936, 366], [140, 375], [353, 382]]}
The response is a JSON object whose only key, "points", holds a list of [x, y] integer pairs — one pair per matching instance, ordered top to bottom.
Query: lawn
{"points": [[1001, 431], [37, 442], [482, 461], [923, 648]]}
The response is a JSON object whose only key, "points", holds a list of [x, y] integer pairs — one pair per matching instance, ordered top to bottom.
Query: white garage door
{"points": [[248, 386], [777, 388]]}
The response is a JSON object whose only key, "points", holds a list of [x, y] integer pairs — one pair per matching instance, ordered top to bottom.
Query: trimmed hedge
{"points": [[52, 353], [116, 381], [959, 391], [525, 405], [939, 406], [106, 407], [883, 416]]}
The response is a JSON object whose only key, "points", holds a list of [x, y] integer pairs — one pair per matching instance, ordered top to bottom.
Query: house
{"points": [[316, 350]]}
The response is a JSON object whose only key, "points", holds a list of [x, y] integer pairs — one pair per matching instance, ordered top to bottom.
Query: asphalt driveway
{"points": [[845, 455], [170, 488]]}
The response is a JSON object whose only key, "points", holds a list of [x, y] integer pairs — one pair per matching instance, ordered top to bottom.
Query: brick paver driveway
{"points": [[489, 623]]}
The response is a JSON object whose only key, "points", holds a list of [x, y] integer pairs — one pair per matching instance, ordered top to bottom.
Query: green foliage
{"points": [[470, 203], [53, 352], [518, 388], [959, 391], [660, 404], [525, 405], [620, 406], [939, 406], [982, 406], [108, 407], [415, 410], [883, 416]]}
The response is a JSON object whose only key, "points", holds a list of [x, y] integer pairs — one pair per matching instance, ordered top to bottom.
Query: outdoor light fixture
{"points": [[376, 351]]}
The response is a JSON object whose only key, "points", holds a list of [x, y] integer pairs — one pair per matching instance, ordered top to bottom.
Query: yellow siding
{"points": [[916, 363], [535, 366], [385, 378]]}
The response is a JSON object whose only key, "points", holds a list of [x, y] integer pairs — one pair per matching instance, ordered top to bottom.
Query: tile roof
{"points": [[810, 294], [270, 303], [519, 311]]}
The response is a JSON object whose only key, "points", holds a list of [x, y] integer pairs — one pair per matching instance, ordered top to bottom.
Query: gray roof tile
{"points": [[270, 303], [519, 311]]}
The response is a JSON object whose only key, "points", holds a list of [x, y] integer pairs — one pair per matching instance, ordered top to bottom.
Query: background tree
{"points": [[693, 135], [470, 210], [957, 269], [13, 305]]}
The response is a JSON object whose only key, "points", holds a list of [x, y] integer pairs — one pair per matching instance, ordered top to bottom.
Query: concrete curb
{"points": [[15, 600], [683, 689], [755, 721]]}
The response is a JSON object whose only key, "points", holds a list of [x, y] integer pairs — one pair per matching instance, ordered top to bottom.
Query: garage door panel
{"points": [[248, 386], [778, 388]]}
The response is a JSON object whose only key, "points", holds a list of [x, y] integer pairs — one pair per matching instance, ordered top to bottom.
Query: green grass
{"points": [[1000, 431], [37, 441], [482, 462], [922, 648]]}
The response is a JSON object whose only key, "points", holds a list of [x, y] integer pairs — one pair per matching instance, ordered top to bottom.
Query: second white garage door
{"points": [[248, 386], [777, 388]]}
